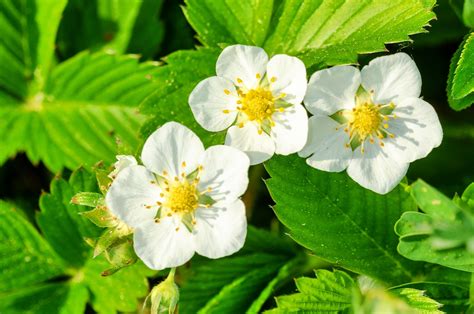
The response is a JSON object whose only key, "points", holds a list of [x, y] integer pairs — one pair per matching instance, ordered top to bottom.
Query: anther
{"points": [[258, 76], [273, 79], [239, 80], [227, 92], [225, 111], [241, 125], [183, 164], [176, 178], [158, 203]]}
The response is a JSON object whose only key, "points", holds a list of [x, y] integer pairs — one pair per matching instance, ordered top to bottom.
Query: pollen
{"points": [[258, 104], [365, 120], [182, 198]]}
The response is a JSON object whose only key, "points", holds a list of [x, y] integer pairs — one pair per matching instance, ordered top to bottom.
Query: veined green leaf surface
{"points": [[116, 25], [319, 32], [174, 82], [460, 86], [86, 107], [339, 220], [62, 256], [25, 257], [243, 282]]}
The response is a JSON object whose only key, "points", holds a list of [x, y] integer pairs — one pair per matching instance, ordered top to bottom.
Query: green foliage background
{"points": [[81, 81]]}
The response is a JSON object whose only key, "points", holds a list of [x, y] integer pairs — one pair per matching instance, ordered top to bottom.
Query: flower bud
{"points": [[164, 297]]}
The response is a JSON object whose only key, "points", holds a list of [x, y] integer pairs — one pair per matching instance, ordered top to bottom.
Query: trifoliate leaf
{"points": [[319, 32], [460, 86], [88, 103], [339, 220], [441, 234], [244, 281]]}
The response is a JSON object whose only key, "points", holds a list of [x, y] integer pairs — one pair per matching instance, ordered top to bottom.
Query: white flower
{"points": [[261, 99], [371, 122], [123, 161], [183, 200]]}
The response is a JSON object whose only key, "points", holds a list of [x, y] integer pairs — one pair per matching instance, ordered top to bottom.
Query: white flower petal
{"points": [[244, 63], [287, 75], [391, 77], [331, 90], [208, 101], [291, 130], [417, 130], [327, 144], [169, 146], [258, 147], [123, 161], [375, 169], [225, 171], [130, 192], [221, 230], [160, 245]]}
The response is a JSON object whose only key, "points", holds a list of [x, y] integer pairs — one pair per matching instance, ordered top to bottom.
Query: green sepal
{"points": [[193, 175], [103, 179], [89, 199], [206, 200], [101, 217], [187, 220], [110, 237], [120, 255]]}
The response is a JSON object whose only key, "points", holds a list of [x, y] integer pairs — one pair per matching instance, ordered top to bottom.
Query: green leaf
{"points": [[468, 13], [230, 21], [120, 26], [319, 32], [27, 46], [174, 82], [460, 86], [88, 104], [339, 220], [440, 234], [25, 257], [78, 277], [243, 282], [329, 292], [62, 298]]}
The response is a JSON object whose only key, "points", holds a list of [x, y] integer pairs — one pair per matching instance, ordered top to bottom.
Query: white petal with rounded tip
{"points": [[243, 62], [390, 77], [290, 78], [331, 90], [208, 101], [291, 130], [417, 130], [327, 145], [169, 146], [258, 147], [123, 161], [375, 169], [225, 171], [130, 192], [220, 230], [160, 245]]}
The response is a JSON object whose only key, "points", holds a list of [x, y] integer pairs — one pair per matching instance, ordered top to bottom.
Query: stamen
{"points": [[258, 76], [273, 79], [239, 80], [227, 92], [226, 111]]}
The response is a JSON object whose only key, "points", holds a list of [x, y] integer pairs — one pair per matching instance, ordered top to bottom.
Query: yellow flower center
{"points": [[258, 104], [365, 120], [182, 197]]}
